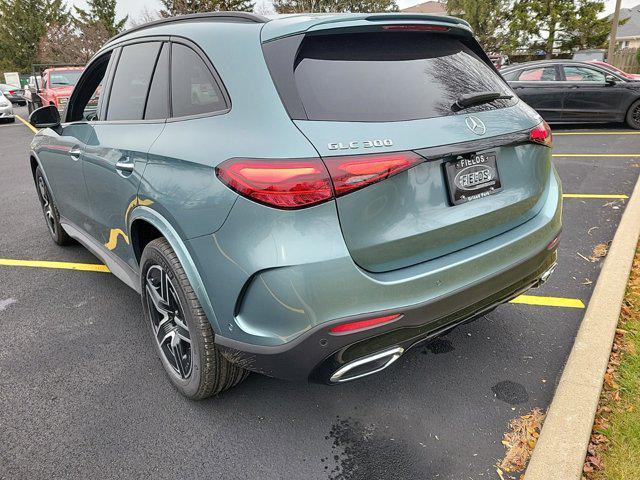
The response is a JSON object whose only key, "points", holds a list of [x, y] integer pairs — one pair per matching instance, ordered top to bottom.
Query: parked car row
{"points": [[569, 91], [13, 94], [6, 109]]}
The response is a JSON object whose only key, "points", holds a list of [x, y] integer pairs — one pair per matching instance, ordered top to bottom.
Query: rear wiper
{"points": [[477, 98]]}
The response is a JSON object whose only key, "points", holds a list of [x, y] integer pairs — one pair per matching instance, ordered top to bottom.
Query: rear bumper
{"points": [[283, 291], [318, 354]]}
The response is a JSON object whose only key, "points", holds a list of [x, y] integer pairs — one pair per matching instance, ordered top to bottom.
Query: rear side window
{"points": [[540, 74], [582, 74], [389, 76], [131, 81], [194, 91], [158, 100]]}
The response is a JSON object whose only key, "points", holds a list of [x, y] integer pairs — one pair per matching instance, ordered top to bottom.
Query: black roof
{"points": [[208, 16]]}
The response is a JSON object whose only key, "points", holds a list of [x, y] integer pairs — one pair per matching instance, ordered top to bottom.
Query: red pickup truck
{"points": [[57, 85]]}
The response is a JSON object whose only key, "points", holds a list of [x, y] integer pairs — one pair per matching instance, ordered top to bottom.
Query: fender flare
{"points": [[33, 154], [178, 245]]}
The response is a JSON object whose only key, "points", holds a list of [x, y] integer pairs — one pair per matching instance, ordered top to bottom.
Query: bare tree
{"points": [[145, 16]]}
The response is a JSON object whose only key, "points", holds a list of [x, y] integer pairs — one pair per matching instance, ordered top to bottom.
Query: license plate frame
{"points": [[472, 176]]}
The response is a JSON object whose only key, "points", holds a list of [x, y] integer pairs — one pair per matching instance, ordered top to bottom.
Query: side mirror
{"points": [[610, 80], [45, 117]]}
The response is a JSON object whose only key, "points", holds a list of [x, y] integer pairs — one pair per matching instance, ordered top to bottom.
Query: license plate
{"points": [[472, 176]]}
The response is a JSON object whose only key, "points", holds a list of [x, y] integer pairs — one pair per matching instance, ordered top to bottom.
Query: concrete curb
{"points": [[563, 442]]}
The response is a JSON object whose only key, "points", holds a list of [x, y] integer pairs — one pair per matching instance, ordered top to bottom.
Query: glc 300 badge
{"points": [[365, 144]]}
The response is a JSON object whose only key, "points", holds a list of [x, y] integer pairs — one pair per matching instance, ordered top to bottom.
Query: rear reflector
{"points": [[417, 28], [541, 134], [354, 172], [278, 183], [299, 183], [552, 244], [351, 327]]}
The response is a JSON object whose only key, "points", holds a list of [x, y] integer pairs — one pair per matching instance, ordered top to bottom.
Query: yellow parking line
{"points": [[33, 129], [556, 134], [596, 155], [593, 195], [89, 267], [549, 301]]}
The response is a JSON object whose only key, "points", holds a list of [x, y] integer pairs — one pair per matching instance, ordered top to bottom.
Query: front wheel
{"points": [[633, 115], [50, 211], [182, 335]]}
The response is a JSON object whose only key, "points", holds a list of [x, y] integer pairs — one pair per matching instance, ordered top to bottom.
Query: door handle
{"points": [[75, 153], [125, 165]]}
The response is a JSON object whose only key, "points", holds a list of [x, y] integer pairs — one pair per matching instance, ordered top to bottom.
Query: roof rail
{"points": [[208, 16]]}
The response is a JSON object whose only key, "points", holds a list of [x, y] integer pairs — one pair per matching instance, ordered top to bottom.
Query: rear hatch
{"points": [[361, 92]]}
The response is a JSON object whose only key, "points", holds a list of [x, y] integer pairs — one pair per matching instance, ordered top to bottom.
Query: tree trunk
{"points": [[551, 40]]}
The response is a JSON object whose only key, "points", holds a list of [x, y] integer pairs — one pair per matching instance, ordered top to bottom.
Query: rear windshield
{"points": [[389, 76]]}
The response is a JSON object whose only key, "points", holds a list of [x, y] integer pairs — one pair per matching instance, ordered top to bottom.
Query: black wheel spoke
{"points": [[170, 330]]}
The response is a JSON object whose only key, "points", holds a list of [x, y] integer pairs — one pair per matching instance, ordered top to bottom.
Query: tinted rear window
{"points": [[389, 76]]}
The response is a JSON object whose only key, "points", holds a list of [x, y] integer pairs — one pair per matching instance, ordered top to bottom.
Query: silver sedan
{"points": [[6, 110]]}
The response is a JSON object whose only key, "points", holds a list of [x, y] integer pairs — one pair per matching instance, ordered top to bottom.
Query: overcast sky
{"points": [[134, 7]]}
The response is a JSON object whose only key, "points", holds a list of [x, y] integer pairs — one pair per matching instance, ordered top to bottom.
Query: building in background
{"points": [[427, 7], [628, 34]]}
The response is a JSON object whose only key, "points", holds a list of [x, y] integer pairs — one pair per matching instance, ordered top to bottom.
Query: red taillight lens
{"points": [[417, 28], [541, 134], [354, 172], [278, 183], [299, 183], [358, 325]]}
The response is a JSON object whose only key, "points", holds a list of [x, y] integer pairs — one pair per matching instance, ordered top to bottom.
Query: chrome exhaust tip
{"points": [[546, 274], [366, 365]]}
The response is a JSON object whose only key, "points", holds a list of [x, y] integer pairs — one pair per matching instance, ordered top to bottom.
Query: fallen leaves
{"points": [[599, 251], [610, 398], [520, 441]]}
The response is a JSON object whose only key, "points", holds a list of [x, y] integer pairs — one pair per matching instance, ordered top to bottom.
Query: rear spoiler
{"points": [[297, 24]]}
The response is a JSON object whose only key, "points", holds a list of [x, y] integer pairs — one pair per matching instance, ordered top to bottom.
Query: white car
{"points": [[6, 110]]}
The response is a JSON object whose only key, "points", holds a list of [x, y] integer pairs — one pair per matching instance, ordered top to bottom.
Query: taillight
{"points": [[417, 28], [11, 92], [541, 134], [354, 172], [294, 183], [299, 183], [358, 325]]}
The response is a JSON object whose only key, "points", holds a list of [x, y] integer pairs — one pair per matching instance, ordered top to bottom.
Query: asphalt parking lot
{"points": [[82, 394]]}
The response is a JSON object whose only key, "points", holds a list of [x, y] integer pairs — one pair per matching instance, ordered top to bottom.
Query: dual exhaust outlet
{"points": [[365, 366]]}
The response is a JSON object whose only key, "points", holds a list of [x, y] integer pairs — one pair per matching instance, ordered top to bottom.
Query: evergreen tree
{"points": [[335, 6], [183, 7], [103, 13], [488, 18], [23, 23], [559, 24]]}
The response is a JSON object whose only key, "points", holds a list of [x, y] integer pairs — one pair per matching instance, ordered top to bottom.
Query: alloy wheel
{"points": [[635, 116], [47, 206], [167, 320]]}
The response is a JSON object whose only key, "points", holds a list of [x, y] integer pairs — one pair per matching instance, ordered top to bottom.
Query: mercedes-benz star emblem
{"points": [[475, 125]]}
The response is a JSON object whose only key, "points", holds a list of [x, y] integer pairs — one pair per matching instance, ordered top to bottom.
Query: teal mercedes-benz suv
{"points": [[306, 197]]}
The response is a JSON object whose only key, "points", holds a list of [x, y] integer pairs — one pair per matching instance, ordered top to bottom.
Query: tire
{"points": [[633, 115], [50, 211], [200, 371]]}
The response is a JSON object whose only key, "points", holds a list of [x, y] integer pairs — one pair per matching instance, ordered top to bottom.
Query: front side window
{"points": [[540, 74], [582, 74], [131, 81], [194, 90], [83, 104]]}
